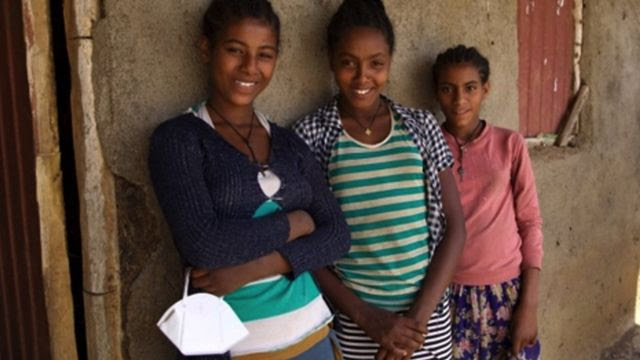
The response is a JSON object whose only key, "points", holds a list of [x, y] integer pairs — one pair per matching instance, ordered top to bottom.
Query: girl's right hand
{"points": [[300, 224], [397, 335]]}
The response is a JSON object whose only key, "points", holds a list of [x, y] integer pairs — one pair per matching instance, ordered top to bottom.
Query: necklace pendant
{"points": [[367, 132], [461, 172]]}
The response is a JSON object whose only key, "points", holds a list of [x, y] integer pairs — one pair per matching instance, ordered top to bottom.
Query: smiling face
{"points": [[242, 61], [360, 63], [460, 93]]}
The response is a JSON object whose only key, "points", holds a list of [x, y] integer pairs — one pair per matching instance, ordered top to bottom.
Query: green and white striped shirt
{"points": [[381, 191]]}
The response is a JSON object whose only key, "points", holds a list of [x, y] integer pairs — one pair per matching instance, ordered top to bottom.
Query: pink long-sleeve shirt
{"points": [[500, 204]]}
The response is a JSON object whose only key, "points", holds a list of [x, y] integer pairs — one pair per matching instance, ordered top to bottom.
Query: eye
{"points": [[235, 50], [267, 55], [347, 63], [378, 64], [471, 88], [444, 89]]}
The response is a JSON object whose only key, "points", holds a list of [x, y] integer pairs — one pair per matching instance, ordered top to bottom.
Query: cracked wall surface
{"points": [[145, 68]]}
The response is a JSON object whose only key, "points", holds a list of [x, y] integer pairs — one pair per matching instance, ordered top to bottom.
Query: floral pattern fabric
{"points": [[481, 318]]}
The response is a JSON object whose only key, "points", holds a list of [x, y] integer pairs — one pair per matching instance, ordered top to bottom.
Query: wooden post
{"points": [[581, 99]]}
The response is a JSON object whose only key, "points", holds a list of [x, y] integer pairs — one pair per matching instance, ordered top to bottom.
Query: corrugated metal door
{"points": [[545, 47], [23, 321]]}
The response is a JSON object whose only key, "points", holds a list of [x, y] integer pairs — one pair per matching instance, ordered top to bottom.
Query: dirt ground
{"points": [[627, 348]]}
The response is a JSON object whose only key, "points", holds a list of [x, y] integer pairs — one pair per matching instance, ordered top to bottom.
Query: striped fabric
{"points": [[381, 191], [293, 306], [356, 345]]}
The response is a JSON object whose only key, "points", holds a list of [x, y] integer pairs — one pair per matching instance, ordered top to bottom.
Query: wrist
{"points": [[361, 313], [419, 314]]}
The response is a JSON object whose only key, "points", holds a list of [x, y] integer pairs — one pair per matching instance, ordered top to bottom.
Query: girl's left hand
{"points": [[524, 328]]}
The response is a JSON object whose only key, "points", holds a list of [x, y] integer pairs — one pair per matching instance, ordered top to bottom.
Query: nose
{"points": [[250, 64], [361, 73], [457, 96]]}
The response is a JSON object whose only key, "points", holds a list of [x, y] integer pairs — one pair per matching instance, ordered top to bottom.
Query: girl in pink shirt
{"points": [[495, 289]]}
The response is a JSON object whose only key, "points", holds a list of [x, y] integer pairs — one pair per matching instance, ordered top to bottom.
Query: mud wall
{"points": [[146, 69]]}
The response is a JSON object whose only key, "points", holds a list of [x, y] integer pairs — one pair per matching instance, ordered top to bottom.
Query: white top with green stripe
{"points": [[381, 191]]}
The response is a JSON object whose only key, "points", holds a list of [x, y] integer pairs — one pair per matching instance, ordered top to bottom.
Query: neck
{"points": [[360, 113], [236, 115], [465, 133]]}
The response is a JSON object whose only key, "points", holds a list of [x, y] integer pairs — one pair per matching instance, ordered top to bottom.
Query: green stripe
{"points": [[343, 144], [374, 154], [386, 165], [376, 181], [381, 194], [405, 205], [390, 222], [371, 240], [390, 251], [392, 265], [396, 277], [394, 287], [273, 298], [396, 298]]}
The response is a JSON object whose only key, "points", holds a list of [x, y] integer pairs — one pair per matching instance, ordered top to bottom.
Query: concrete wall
{"points": [[146, 69]]}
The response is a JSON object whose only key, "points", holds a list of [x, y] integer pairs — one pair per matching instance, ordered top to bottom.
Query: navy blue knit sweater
{"points": [[208, 192]]}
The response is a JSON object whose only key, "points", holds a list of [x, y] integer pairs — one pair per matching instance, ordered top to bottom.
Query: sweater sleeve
{"points": [[526, 206], [203, 238], [331, 239]]}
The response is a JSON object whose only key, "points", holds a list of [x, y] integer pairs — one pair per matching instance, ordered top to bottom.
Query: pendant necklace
{"points": [[367, 129], [246, 140], [462, 147], [268, 181]]}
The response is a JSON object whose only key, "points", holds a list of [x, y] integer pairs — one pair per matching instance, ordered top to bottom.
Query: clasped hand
{"points": [[399, 336]]}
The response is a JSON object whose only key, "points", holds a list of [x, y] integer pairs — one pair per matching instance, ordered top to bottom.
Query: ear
{"points": [[205, 49], [486, 88]]}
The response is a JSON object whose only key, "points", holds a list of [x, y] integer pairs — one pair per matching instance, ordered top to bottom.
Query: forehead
{"points": [[249, 31], [362, 41], [459, 74]]}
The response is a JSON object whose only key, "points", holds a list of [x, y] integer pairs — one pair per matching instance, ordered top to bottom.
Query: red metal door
{"points": [[545, 50], [23, 320]]}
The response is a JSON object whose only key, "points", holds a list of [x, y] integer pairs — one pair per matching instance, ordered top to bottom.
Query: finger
{"points": [[198, 272], [201, 282], [411, 339], [516, 348], [396, 353]]}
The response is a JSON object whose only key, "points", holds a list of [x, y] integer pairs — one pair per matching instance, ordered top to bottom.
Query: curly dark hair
{"points": [[223, 12], [356, 13], [461, 54]]}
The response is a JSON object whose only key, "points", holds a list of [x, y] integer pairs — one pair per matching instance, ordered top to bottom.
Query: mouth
{"points": [[246, 84], [362, 92], [460, 112]]}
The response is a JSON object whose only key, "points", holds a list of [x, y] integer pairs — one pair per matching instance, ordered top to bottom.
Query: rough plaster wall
{"points": [[147, 70], [589, 196]]}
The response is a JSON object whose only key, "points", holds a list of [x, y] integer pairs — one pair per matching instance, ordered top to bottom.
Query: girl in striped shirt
{"points": [[389, 168]]}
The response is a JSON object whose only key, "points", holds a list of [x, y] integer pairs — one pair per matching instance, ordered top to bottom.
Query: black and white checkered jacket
{"points": [[321, 129]]}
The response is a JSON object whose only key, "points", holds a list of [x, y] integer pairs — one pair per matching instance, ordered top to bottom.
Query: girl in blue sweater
{"points": [[245, 199]]}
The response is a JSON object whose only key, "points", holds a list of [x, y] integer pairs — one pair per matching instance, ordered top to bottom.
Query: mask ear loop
{"points": [[184, 303]]}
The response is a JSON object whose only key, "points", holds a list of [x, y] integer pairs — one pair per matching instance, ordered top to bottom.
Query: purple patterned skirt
{"points": [[481, 317]]}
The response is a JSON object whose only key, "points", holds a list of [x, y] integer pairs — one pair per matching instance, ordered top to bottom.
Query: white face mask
{"points": [[202, 324]]}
